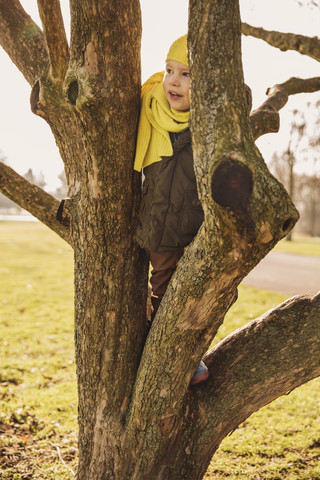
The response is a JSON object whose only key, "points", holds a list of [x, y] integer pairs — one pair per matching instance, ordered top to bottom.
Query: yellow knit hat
{"points": [[178, 51]]}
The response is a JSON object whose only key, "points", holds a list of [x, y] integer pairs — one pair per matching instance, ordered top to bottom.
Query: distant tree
{"points": [[302, 154], [290, 156], [279, 168], [29, 176], [35, 179], [40, 180], [311, 180], [62, 190], [5, 202], [308, 202]]}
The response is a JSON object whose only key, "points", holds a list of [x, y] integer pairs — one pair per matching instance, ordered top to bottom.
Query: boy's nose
{"points": [[174, 80]]}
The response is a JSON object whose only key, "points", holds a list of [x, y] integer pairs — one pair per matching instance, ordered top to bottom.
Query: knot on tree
{"points": [[73, 92], [35, 96], [231, 185], [63, 214]]}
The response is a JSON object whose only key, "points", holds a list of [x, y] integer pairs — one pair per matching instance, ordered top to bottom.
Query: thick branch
{"points": [[55, 35], [23, 40], [286, 41], [97, 54], [103, 83], [265, 119], [34, 199], [204, 285], [266, 358], [250, 368]]}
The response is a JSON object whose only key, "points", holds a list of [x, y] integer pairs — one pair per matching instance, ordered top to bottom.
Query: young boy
{"points": [[170, 211]]}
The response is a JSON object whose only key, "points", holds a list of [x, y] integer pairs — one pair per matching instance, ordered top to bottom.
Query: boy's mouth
{"points": [[174, 95]]}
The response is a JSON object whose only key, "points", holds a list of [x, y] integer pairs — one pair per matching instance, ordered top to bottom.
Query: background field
{"points": [[38, 404]]}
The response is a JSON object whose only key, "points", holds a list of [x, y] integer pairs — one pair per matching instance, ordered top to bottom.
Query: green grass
{"points": [[301, 245], [38, 404], [280, 441]]}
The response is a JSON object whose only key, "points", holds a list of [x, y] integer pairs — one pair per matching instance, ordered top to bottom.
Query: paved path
{"points": [[286, 273]]}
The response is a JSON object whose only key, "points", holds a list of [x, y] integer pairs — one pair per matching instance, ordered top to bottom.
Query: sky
{"points": [[27, 142]]}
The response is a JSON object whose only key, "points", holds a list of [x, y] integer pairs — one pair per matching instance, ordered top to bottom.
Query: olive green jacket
{"points": [[170, 211]]}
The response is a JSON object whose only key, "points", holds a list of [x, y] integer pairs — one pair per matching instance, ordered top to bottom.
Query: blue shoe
{"points": [[200, 375]]}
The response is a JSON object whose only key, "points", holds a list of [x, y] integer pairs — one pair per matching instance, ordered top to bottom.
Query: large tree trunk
{"points": [[110, 271], [138, 417]]}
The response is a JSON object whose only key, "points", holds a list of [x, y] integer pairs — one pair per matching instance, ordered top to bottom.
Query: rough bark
{"points": [[55, 36], [23, 40], [286, 41], [265, 119], [35, 200], [110, 272], [205, 283], [250, 368], [138, 418]]}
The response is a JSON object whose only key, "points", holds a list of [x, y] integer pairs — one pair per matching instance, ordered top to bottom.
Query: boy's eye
{"points": [[186, 74]]}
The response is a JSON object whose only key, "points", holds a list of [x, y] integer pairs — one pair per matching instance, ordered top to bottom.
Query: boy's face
{"points": [[176, 85]]}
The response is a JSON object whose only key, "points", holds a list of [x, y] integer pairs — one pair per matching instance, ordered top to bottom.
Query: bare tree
{"points": [[286, 41], [296, 134], [302, 153], [308, 202], [138, 417]]}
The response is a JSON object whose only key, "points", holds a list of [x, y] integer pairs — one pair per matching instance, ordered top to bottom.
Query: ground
{"points": [[286, 273], [38, 400]]}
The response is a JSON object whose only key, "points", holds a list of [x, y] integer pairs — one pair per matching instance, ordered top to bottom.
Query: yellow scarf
{"points": [[157, 119]]}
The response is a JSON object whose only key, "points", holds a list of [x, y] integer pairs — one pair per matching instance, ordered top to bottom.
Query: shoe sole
{"points": [[200, 379]]}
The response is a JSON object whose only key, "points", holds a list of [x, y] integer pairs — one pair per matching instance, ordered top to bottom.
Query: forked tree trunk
{"points": [[138, 417]]}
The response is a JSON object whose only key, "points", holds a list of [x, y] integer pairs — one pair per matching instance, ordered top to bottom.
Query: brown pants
{"points": [[163, 267]]}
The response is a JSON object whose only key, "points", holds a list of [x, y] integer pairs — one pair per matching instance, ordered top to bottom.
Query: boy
{"points": [[170, 211]]}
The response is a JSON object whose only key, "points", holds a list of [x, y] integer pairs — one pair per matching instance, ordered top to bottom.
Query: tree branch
{"points": [[55, 35], [23, 40], [286, 41], [94, 59], [265, 119], [34, 199], [204, 285], [266, 358], [250, 368]]}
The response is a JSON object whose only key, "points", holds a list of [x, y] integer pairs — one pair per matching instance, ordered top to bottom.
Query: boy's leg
{"points": [[163, 267]]}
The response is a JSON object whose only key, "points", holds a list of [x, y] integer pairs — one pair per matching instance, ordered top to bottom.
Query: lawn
{"points": [[301, 245], [38, 404]]}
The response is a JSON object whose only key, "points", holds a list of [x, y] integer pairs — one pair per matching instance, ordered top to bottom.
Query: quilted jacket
{"points": [[170, 211]]}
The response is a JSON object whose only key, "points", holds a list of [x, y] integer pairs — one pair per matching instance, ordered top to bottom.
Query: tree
{"points": [[303, 151], [289, 156], [32, 178], [61, 191], [308, 198], [4, 202], [138, 418]]}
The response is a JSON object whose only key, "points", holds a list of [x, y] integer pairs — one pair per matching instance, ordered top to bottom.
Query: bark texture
{"points": [[55, 36], [23, 41], [286, 41], [103, 85], [265, 119], [35, 200], [250, 368], [138, 417]]}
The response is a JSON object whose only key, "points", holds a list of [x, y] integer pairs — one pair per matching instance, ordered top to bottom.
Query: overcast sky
{"points": [[27, 142]]}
